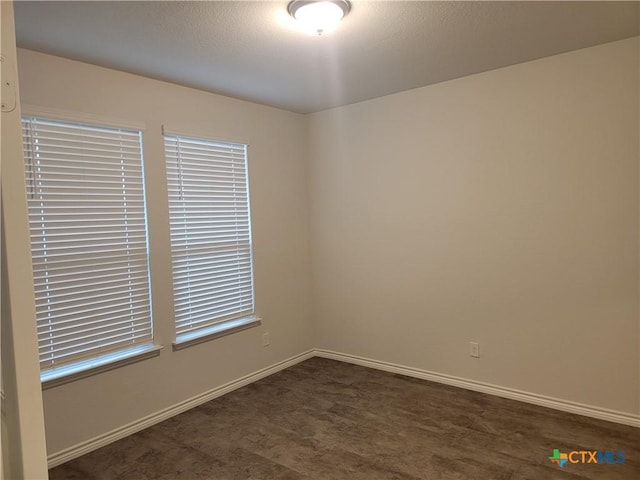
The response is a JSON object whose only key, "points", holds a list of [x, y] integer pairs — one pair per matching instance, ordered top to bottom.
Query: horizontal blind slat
{"points": [[110, 267], [185, 278], [218, 294], [204, 304], [74, 307], [187, 323], [72, 335], [93, 348]]}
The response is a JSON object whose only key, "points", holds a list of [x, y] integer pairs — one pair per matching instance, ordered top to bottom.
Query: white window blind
{"points": [[210, 234], [88, 240]]}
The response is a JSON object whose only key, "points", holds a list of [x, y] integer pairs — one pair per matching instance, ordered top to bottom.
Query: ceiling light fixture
{"points": [[319, 16]]}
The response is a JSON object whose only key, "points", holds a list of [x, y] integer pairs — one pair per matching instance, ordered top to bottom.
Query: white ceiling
{"points": [[250, 50]]}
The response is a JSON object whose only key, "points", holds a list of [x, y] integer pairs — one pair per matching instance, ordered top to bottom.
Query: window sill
{"points": [[220, 330], [86, 368]]}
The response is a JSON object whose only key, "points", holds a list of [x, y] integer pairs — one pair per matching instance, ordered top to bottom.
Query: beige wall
{"points": [[277, 168], [500, 208]]}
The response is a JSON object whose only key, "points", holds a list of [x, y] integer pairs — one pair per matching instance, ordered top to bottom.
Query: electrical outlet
{"points": [[265, 339], [474, 349]]}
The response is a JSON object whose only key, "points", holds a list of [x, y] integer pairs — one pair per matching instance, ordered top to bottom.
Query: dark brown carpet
{"points": [[323, 420]]}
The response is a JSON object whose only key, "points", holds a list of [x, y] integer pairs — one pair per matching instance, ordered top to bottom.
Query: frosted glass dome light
{"points": [[320, 16]]}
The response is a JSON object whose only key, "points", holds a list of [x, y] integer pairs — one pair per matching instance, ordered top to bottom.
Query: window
{"points": [[210, 237], [89, 244]]}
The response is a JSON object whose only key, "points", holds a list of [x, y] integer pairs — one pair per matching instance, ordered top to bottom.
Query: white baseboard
{"points": [[527, 397], [138, 425]]}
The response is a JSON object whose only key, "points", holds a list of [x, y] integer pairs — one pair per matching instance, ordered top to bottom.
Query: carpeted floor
{"points": [[324, 420]]}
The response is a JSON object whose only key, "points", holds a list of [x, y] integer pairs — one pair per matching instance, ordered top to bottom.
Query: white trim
{"points": [[80, 117], [218, 330], [101, 363], [513, 394], [133, 427]]}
